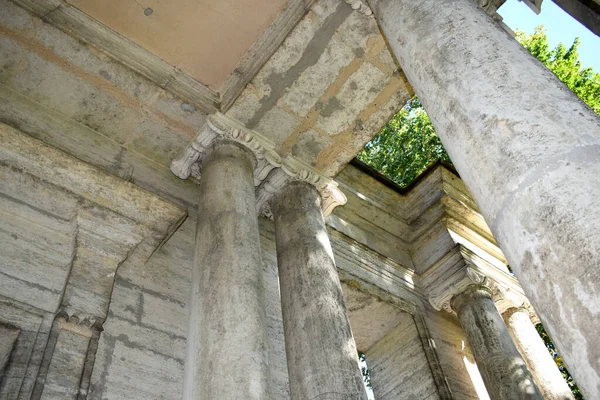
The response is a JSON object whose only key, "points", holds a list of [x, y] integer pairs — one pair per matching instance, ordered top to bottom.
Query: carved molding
{"points": [[359, 6], [220, 127], [272, 171], [462, 278], [446, 280], [82, 324]]}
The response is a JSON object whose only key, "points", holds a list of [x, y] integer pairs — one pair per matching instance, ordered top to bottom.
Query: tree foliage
{"points": [[565, 64], [406, 146], [362, 358], [559, 362]]}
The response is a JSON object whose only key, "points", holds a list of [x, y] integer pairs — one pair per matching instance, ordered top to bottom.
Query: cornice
{"points": [[272, 171], [463, 268]]}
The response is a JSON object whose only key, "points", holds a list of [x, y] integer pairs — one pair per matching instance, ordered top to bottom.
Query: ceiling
{"points": [[204, 38]]}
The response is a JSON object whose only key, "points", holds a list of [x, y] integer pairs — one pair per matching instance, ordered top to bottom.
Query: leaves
{"points": [[565, 64], [406, 146], [362, 358], [559, 362]]}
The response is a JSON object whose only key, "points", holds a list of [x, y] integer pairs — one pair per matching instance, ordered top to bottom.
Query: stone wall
{"points": [[398, 366]]}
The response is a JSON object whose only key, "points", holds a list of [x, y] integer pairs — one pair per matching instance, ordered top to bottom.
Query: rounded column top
{"points": [[230, 148], [471, 294], [513, 310]]}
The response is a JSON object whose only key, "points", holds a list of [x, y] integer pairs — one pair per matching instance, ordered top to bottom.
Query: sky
{"points": [[560, 27]]}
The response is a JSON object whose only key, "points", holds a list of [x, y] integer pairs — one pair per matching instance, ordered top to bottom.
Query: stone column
{"points": [[527, 148], [227, 342], [320, 348], [539, 361], [503, 370]]}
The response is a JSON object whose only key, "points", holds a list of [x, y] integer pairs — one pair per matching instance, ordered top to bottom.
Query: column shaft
{"points": [[527, 148], [227, 343], [320, 348], [539, 361], [501, 366]]}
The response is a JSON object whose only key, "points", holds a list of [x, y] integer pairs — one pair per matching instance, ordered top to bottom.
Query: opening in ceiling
{"points": [[405, 147]]}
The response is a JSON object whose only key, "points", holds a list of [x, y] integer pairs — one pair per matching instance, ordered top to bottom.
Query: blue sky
{"points": [[560, 27]]}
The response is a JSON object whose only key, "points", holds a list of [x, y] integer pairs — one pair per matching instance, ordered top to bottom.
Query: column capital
{"points": [[219, 127], [293, 170], [272, 171], [452, 276], [477, 291], [525, 308]]}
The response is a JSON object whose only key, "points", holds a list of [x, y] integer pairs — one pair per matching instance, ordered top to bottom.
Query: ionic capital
{"points": [[219, 127], [293, 170], [272, 171], [446, 280], [453, 283], [526, 308]]}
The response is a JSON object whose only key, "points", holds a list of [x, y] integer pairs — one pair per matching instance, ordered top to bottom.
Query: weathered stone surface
{"points": [[328, 79], [116, 119], [532, 168], [68, 226], [86, 253], [371, 319], [8, 337], [227, 354], [322, 356], [455, 356], [68, 357], [398, 366], [502, 368], [21, 371], [546, 374]]}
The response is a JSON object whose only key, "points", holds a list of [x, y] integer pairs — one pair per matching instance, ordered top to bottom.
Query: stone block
{"points": [[356, 31], [314, 80], [359, 90], [277, 125], [309, 145], [126, 302], [164, 314], [146, 337], [8, 338], [398, 365], [136, 373]]}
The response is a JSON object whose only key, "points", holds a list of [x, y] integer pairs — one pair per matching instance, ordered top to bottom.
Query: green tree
{"points": [[565, 64], [406, 146], [559, 362]]}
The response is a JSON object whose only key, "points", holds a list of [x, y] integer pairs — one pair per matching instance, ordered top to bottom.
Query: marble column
{"points": [[527, 148], [227, 339], [321, 353], [539, 361], [501, 366]]}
